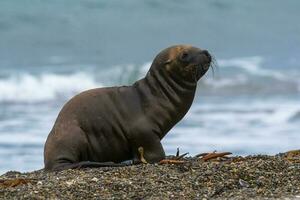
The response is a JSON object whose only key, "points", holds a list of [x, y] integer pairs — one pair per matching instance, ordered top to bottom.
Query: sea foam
{"points": [[43, 87]]}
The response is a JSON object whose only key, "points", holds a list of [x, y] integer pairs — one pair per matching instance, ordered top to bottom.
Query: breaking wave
{"points": [[238, 76], [43, 87]]}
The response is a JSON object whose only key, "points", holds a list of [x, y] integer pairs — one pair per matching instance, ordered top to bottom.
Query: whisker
{"points": [[214, 66], [213, 70], [196, 72]]}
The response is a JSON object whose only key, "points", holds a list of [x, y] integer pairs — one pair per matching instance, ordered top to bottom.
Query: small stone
{"points": [[95, 179], [69, 183], [243, 183]]}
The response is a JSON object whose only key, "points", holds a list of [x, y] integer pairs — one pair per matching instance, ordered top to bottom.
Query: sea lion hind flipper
{"points": [[87, 164]]}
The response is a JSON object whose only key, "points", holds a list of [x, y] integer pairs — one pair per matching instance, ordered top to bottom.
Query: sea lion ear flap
{"points": [[168, 61], [168, 67]]}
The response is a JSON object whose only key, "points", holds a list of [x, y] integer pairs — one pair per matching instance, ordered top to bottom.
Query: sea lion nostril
{"points": [[205, 52]]}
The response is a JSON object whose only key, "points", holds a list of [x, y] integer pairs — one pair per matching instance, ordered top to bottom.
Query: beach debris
{"points": [[177, 152], [213, 155], [181, 156], [292, 156], [175, 159], [170, 161], [13, 182]]}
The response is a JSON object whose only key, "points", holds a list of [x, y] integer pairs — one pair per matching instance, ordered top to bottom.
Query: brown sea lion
{"points": [[106, 126]]}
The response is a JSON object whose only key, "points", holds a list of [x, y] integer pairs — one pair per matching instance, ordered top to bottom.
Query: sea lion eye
{"points": [[184, 57]]}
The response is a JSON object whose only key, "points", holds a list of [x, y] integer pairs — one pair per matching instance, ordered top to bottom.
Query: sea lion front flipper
{"points": [[148, 148], [141, 152]]}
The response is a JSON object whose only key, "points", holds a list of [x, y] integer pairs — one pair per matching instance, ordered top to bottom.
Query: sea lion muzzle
{"points": [[203, 62]]}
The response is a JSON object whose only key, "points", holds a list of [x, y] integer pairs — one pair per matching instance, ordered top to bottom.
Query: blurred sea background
{"points": [[52, 50]]}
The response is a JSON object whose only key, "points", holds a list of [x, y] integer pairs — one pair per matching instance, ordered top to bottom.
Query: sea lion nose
{"points": [[205, 52]]}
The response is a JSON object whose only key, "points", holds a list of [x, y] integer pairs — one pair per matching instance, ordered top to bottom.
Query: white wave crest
{"points": [[252, 65], [249, 75], [239, 79], [50, 86], [43, 87]]}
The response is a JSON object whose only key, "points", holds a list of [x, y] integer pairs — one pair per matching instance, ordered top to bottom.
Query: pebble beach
{"points": [[234, 177]]}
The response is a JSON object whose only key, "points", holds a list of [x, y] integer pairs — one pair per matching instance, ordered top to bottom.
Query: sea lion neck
{"points": [[170, 83], [170, 99]]}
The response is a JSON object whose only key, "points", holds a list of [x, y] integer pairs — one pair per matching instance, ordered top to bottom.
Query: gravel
{"points": [[251, 177]]}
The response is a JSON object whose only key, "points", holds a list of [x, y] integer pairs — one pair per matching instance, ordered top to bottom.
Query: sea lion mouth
{"points": [[204, 61], [204, 66], [201, 69]]}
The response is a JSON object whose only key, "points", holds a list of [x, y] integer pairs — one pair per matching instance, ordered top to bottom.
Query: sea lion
{"points": [[106, 126]]}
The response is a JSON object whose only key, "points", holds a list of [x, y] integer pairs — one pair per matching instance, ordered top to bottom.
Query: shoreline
{"points": [[250, 177]]}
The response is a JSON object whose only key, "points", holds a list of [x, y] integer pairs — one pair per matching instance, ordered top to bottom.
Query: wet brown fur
{"points": [[102, 126]]}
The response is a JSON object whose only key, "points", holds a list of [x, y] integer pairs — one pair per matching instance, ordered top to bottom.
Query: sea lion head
{"points": [[183, 62]]}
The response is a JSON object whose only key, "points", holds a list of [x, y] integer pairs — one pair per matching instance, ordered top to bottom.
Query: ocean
{"points": [[52, 50]]}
